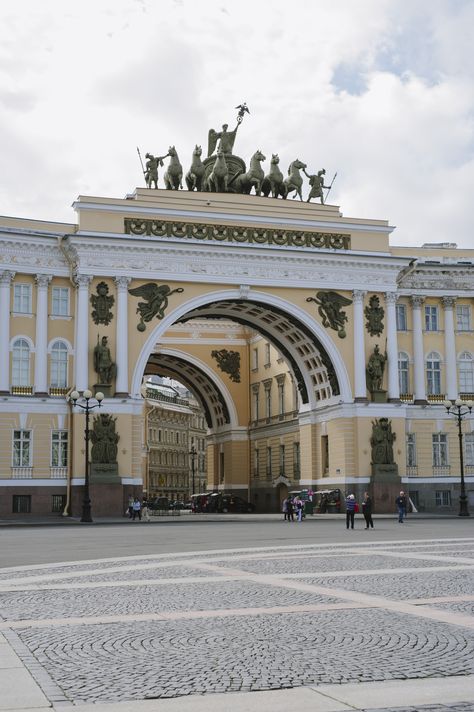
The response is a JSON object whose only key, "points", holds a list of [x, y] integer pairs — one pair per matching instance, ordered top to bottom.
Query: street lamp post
{"points": [[87, 407], [459, 410], [192, 454]]}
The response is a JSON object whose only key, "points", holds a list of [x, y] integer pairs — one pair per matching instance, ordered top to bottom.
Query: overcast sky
{"points": [[380, 91]]}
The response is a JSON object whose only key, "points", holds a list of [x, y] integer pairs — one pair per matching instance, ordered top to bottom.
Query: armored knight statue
{"points": [[103, 364]]}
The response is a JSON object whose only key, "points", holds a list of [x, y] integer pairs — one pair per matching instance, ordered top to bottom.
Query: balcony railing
{"points": [[22, 390], [58, 392], [151, 394], [406, 397], [436, 398], [290, 415], [412, 470], [441, 470], [22, 473], [58, 473]]}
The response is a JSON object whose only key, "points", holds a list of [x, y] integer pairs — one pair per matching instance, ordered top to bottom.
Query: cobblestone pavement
{"points": [[245, 620]]}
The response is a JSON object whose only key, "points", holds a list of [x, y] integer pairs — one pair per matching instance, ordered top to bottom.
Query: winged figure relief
{"points": [[156, 301], [330, 310]]}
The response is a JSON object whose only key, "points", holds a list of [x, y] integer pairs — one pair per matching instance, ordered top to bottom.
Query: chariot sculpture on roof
{"points": [[224, 172]]}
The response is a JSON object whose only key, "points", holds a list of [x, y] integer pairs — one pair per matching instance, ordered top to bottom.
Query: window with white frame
{"points": [[22, 298], [60, 301], [401, 312], [463, 317], [431, 318], [267, 354], [255, 359], [21, 363], [58, 365], [403, 372], [466, 373], [433, 374], [281, 398], [268, 400], [256, 402], [59, 441], [21, 448], [469, 448], [411, 449], [440, 449], [282, 459], [269, 462], [256, 470], [443, 498]]}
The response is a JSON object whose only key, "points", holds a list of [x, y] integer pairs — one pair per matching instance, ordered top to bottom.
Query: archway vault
{"points": [[315, 362], [206, 386]]}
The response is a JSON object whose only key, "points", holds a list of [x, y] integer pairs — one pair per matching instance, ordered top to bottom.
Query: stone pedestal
{"points": [[104, 388], [379, 396], [104, 473], [385, 486]]}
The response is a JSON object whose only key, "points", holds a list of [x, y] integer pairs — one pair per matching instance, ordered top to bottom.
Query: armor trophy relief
{"points": [[224, 172]]}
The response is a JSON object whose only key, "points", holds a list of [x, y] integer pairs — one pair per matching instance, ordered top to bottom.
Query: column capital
{"points": [[6, 276], [42, 280], [82, 280], [122, 282], [358, 295], [391, 297], [417, 301], [448, 302]]}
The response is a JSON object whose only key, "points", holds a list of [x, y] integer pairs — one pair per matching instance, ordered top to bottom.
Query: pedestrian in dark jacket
{"points": [[401, 503], [290, 509], [350, 510], [367, 510]]}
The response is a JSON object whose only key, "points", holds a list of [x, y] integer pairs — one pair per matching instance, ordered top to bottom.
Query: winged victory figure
{"points": [[156, 296]]}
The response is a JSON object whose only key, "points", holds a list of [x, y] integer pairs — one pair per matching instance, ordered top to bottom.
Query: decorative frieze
{"points": [[227, 233]]}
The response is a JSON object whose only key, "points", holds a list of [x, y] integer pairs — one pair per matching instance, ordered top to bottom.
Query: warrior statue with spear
{"points": [[151, 172]]}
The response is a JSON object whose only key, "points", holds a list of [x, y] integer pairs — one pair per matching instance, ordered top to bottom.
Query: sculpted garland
{"points": [[224, 172]]}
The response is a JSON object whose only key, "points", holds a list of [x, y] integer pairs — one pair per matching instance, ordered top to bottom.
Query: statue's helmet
{"points": [[225, 126], [147, 155]]}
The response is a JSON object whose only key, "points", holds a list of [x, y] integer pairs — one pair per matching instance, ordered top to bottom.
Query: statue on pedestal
{"points": [[103, 364], [375, 370], [382, 442]]}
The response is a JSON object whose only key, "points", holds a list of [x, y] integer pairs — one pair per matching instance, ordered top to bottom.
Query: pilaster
{"points": [[6, 278], [41, 338], [392, 348], [450, 348], [418, 354], [81, 365], [121, 386], [360, 386]]}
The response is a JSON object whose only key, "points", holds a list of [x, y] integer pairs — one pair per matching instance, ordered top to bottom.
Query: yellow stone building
{"points": [[268, 311]]}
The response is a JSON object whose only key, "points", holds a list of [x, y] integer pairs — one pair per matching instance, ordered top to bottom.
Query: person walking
{"points": [[401, 503], [130, 507], [284, 508], [299, 508], [137, 509], [290, 509], [350, 510], [367, 510], [145, 511]]}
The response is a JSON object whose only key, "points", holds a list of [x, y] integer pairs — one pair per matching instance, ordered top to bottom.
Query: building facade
{"points": [[302, 334]]}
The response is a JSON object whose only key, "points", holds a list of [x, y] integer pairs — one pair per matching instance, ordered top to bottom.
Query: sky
{"points": [[380, 92]]}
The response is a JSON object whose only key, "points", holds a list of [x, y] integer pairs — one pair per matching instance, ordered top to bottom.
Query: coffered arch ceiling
{"points": [[310, 363], [196, 381]]}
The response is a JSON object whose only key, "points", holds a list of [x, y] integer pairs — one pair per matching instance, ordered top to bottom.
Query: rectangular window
{"points": [[22, 298], [60, 301], [401, 312], [463, 317], [431, 318], [267, 355], [255, 359], [281, 398], [268, 403], [256, 405], [59, 440], [21, 448], [469, 448], [440, 449], [411, 450], [325, 454], [282, 459], [296, 461], [269, 463], [256, 470], [443, 498], [58, 502], [21, 504]]}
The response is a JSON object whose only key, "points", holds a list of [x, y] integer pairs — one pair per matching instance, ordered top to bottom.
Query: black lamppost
{"points": [[86, 406], [459, 409], [192, 454]]}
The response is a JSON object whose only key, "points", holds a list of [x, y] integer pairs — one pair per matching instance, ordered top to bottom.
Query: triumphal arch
{"points": [[303, 334]]}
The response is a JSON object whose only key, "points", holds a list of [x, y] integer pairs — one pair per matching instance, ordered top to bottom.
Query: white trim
{"points": [[27, 339], [64, 341], [469, 479], [339, 480], [132, 481], [33, 482]]}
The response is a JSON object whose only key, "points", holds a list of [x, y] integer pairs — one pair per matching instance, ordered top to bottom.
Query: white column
{"points": [[6, 278], [41, 339], [81, 347], [392, 347], [450, 348], [418, 354], [121, 386], [360, 386]]}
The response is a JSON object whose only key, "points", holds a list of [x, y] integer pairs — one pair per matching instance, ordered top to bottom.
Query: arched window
{"points": [[59, 356], [21, 363], [403, 372], [466, 373], [433, 374]]}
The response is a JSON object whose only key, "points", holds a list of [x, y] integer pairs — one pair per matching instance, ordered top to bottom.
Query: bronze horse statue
{"points": [[174, 173], [194, 177], [218, 178], [294, 181], [244, 182], [273, 182]]}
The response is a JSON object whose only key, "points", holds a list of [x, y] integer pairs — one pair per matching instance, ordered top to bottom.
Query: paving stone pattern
{"points": [[139, 656]]}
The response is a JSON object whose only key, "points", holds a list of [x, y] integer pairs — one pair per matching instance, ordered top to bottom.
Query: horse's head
{"points": [[197, 151], [258, 155], [275, 159], [299, 164]]}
